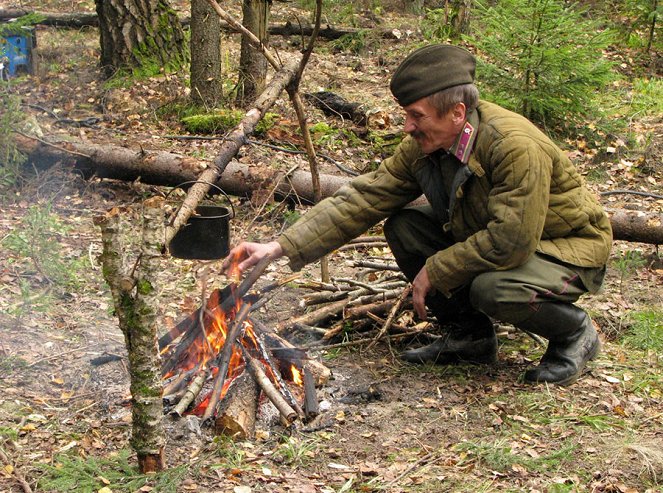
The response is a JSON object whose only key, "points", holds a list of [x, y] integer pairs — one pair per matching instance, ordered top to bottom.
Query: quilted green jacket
{"points": [[517, 193]]}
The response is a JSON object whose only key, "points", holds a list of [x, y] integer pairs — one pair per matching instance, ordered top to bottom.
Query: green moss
{"points": [[223, 121], [144, 287]]}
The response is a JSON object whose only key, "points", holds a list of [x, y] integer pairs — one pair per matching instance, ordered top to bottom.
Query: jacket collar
{"points": [[464, 144], [462, 148]]}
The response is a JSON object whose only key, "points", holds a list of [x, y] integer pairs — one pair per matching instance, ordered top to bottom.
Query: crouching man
{"points": [[511, 232]]}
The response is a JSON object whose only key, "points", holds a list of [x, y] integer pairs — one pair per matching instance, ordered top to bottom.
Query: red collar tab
{"points": [[464, 143]]}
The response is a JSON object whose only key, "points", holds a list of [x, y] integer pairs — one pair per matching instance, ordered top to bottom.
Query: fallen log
{"points": [[76, 20], [164, 168], [643, 227]]}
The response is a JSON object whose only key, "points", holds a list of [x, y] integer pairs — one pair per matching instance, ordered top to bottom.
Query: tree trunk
{"points": [[461, 22], [134, 33], [252, 63], [206, 82], [163, 168], [134, 297]]}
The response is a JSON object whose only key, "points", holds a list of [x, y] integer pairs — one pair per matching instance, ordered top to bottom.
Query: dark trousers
{"points": [[511, 296]]}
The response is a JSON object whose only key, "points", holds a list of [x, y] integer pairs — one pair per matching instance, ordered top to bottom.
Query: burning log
{"points": [[264, 353], [255, 367], [191, 393], [237, 414]]}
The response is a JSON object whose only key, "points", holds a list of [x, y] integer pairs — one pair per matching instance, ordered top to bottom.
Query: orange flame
{"points": [[297, 376]]}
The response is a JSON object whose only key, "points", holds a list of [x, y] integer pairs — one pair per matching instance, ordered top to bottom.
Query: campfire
{"points": [[220, 363]]}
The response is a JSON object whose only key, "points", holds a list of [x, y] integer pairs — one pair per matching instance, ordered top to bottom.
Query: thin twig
{"points": [[52, 145], [632, 192], [264, 204], [392, 315], [317, 346], [55, 356], [24, 484]]}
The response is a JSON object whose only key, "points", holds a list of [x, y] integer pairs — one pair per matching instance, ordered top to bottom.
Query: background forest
{"points": [[167, 82]]}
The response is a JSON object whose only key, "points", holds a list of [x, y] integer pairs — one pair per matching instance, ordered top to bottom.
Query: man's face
{"points": [[431, 130]]}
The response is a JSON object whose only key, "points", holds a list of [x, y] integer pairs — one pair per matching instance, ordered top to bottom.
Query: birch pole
{"points": [[232, 144], [134, 292]]}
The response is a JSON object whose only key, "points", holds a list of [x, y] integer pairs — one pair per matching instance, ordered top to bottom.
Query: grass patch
{"points": [[646, 331], [499, 456], [115, 473]]}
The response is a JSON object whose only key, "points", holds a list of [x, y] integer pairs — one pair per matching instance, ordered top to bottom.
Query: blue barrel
{"points": [[16, 51]]}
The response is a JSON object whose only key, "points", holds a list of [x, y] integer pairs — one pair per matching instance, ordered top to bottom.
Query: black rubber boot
{"points": [[470, 340], [572, 342]]}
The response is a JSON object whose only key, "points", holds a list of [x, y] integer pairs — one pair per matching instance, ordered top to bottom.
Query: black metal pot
{"points": [[206, 235]]}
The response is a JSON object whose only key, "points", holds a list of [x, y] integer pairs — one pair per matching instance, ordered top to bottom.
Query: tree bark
{"points": [[133, 32], [252, 63], [206, 82], [162, 168], [643, 227], [134, 297]]}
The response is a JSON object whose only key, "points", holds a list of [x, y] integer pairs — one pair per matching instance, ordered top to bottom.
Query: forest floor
{"points": [[65, 423]]}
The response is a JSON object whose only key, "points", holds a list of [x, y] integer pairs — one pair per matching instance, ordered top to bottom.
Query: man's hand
{"points": [[247, 254], [421, 286]]}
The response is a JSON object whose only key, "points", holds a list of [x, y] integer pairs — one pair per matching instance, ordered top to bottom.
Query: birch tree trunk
{"points": [[134, 297]]}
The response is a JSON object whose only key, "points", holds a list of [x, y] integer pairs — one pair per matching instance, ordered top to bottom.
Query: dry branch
{"points": [[234, 141], [392, 315], [192, 392]]}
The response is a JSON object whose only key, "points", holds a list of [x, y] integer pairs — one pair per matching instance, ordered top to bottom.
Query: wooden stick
{"points": [[376, 265], [380, 297], [355, 312], [392, 315], [315, 316], [368, 339], [264, 353], [191, 393], [287, 412]]}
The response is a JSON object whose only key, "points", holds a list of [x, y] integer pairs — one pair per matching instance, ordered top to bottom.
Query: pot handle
{"points": [[211, 185]]}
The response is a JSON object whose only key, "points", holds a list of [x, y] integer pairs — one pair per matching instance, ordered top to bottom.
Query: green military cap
{"points": [[431, 69]]}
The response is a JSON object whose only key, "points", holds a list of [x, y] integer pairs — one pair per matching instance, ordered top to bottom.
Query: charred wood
{"points": [[311, 406]]}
